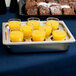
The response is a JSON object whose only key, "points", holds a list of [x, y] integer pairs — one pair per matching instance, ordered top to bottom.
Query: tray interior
{"points": [[6, 39]]}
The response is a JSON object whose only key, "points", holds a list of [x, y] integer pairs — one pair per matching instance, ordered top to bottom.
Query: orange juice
{"points": [[34, 23], [53, 23], [14, 25], [47, 30], [27, 31], [38, 35], [59, 35], [16, 36]]}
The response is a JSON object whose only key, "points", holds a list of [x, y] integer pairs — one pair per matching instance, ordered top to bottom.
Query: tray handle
{"points": [[5, 35]]}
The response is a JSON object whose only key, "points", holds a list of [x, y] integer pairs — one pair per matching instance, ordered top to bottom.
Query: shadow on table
{"points": [[41, 51]]}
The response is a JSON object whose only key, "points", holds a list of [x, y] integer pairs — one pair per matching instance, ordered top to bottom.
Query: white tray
{"points": [[53, 45]]}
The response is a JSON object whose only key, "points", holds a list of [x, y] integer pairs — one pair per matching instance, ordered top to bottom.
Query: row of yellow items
{"points": [[33, 30]]}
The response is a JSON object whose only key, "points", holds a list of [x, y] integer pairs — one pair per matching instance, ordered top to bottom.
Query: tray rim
{"points": [[71, 40]]}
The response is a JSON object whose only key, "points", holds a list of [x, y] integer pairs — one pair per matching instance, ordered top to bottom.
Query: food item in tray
{"points": [[40, 0], [61, 0], [70, 0], [74, 0], [50, 1], [30, 3], [63, 3], [42, 4], [53, 4], [73, 4], [65, 6], [68, 6], [31, 7], [43, 8], [75, 8], [56, 10], [32, 11], [44, 11], [68, 11], [34, 23], [53, 23], [14, 25], [47, 29], [27, 31], [38, 35], [59, 35], [16, 36]]}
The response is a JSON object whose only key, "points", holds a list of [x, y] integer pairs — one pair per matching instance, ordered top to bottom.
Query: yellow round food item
{"points": [[34, 23], [53, 23], [14, 25], [47, 30], [27, 31], [38, 35], [59, 35], [16, 36]]}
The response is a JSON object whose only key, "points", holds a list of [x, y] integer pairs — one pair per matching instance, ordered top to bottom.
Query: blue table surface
{"points": [[38, 64]]}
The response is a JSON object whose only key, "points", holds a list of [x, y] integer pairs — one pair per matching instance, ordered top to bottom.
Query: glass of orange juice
{"points": [[35, 22], [53, 22], [14, 24], [47, 29], [27, 31], [38, 35], [59, 35], [16, 36]]}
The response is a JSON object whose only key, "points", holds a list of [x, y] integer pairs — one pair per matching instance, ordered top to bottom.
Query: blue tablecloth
{"points": [[38, 64]]}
